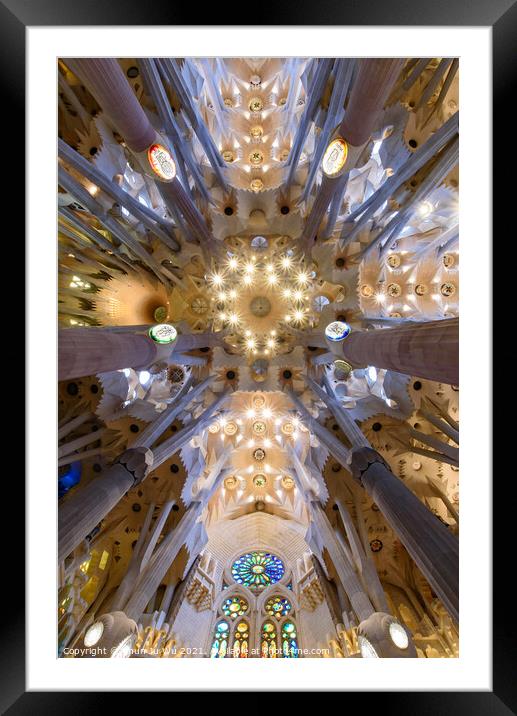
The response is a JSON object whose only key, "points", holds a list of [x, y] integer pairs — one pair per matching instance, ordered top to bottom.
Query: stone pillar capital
{"points": [[360, 460], [138, 461]]}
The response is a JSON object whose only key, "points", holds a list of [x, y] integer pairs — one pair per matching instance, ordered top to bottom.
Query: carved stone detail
{"points": [[360, 460], [138, 461]]}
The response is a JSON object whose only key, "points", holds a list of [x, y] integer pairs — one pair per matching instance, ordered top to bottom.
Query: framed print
{"points": [[245, 358]]}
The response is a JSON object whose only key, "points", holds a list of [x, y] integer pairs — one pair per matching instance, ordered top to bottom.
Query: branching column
{"points": [[372, 86], [88, 506], [432, 546], [339, 554], [152, 575], [349, 579]]}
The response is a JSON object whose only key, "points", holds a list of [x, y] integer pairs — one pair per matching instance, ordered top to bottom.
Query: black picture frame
{"points": [[15, 16]]}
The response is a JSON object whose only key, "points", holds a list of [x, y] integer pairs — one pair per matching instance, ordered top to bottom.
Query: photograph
{"points": [[258, 394]]}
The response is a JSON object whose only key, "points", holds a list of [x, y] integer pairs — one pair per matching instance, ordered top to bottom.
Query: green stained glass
{"points": [[257, 570], [234, 607], [278, 607], [268, 648]]}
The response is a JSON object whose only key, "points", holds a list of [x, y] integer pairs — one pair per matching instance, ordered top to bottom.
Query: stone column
{"points": [[106, 81], [372, 86], [424, 350], [85, 351], [181, 400], [331, 442], [87, 507], [432, 546], [141, 555], [363, 561], [160, 562], [150, 578], [349, 579], [332, 597], [167, 598]]}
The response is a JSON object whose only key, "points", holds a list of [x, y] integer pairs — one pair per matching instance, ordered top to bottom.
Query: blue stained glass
{"points": [[257, 570], [220, 643], [290, 647]]}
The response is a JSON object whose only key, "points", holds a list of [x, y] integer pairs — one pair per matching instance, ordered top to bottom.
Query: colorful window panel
{"points": [[257, 570], [234, 607], [278, 607], [241, 641], [289, 641], [220, 643], [268, 647]]}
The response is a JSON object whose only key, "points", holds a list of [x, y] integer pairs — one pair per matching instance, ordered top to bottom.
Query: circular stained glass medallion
{"points": [[335, 156], [161, 162], [337, 330], [163, 333], [257, 570], [234, 607], [278, 607]]}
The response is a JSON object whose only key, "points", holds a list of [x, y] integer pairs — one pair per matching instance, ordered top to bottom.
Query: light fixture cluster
{"points": [[246, 288], [260, 428]]}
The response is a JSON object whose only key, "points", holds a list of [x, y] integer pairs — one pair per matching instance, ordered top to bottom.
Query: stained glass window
{"points": [[257, 570], [234, 607], [278, 607], [241, 641], [289, 641], [220, 642], [268, 648]]}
